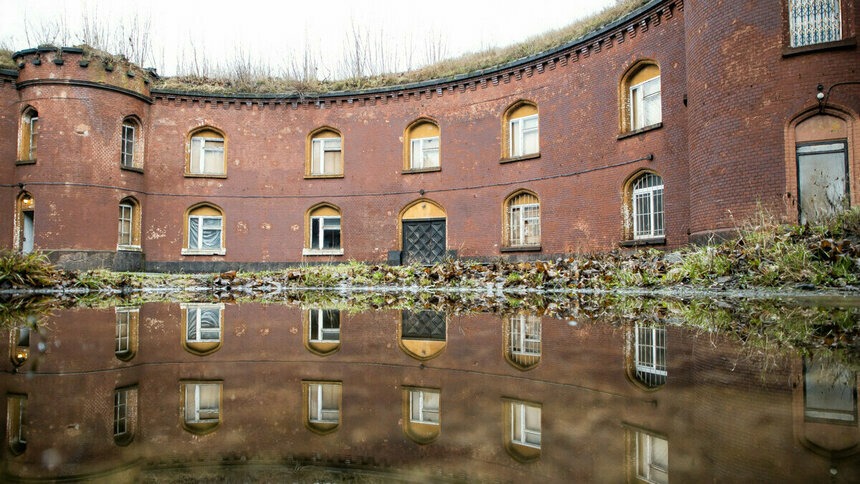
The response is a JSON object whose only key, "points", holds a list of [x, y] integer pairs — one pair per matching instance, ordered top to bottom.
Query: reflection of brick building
{"points": [[648, 131], [251, 403]]}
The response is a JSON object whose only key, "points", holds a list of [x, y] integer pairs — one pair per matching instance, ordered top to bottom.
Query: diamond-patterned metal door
{"points": [[423, 241], [427, 325]]}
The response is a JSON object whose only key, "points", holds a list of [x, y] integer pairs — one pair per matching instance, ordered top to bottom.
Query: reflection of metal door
{"points": [[822, 181], [27, 232], [423, 241], [426, 325]]}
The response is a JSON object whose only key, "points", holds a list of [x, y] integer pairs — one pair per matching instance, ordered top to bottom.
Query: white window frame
{"points": [[817, 24], [637, 98], [515, 128], [34, 135], [319, 144], [416, 155], [128, 156], [202, 156], [650, 192], [130, 221], [522, 224], [322, 229], [199, 250], [197, 309], [123, 319], [318, 337], [520, 339], [651, 367], [315, 391], [419, 394], [520, 407], [120, 413], [196, 417], [643, 456]]}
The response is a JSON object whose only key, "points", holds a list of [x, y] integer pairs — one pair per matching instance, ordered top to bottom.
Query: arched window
{"points": [[639, 94], [520, 130], [29, 135], [421, 146], [131, 147], [206, 153], [324, 153], [645, 197], [522, 220], [129, 224], [323, 230], [204, 231], [127, 319], [203, 328], [322, 331], [523, 341], [19, 345], [646, 356], [201, 401], [322, 403], [421, 414], [124, 415], [16, 421], [522, 429]]}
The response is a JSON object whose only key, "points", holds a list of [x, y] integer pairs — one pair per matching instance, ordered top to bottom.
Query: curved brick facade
{"points": [[730, 90]]}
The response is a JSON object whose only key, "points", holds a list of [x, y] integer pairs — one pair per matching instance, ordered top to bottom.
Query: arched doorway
{"points": [[822, 167], [26, 208], [423, 230]]}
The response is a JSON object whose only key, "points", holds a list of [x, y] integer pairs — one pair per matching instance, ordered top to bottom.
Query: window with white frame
{"points": [[814, 21], [645, 107], [128, 130], [29, 134], [524, 136], [425, 153], [207, 156], [326, 156], [647, 200], [126, 224], [523, 224], [204, 232], [325, 232], [124, 321], [204, 323], [324, 325], [524, 343], [649, 353], [202, 402], [324, 403], [424, 406], [120, 413], [525, 424], [652, 458]]}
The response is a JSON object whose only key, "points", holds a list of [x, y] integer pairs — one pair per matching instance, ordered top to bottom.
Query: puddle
{"points": [[331, 387]]}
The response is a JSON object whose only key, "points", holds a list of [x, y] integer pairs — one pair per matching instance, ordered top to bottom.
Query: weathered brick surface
{"points": [[724, 151]]}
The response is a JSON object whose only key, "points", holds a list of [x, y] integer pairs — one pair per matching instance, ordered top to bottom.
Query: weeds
{"points": [[27, 270]]}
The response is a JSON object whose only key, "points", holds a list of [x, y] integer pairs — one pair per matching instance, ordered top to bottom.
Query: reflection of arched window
{"points": [[640, 97], [520, 130], [29, 135], [421, 146], [131, 147], [206, 153], [324, 153], [644, 200], [522, 220], [129, 224], [204, 230], [323, 230], [127, 319], [202, 324], [322, 331], [423, 334], [523, 341], [19, 345], [647, 356], [201, 401], [322, 405], [421, 414], [124, 415], [16, 419], [522, 429], [647, 456]]}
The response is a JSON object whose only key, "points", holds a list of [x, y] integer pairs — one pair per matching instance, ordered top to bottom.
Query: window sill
{"points": [[808, 49], [639, 131], [514, 159], [25, 162], [132, 168], [409, 171], [201, 175], [311, 177], [643, 242], [129, 248], [521, 248], [222, 251], [322, 251]]}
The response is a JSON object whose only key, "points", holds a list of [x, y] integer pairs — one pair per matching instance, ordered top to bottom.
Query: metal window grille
{"points": [[814, 22], [645, 104], [524, 136], [127, 145], [425, 153], [207, 156], [326, 156], [648, 206], [126, 217], [523, 220], [204, 232], [325, 232], [204, 324], [324, 325], [123, 326], [524, 340], [650, 355], [324, 403], [424, 405], [120, 412], [525, 425], [652, 458]]}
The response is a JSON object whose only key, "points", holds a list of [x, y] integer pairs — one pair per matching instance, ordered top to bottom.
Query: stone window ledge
{"points": [[850, 43], [639, 131], [514, 159], [25, 162], [131, 168], [410, 171], [202, 175], [311, 177], [643, 242], [129, 248], [521, 248], [222, 251], [313, 252]]}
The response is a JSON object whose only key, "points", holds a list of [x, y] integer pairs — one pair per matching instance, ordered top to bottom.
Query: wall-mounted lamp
{"points": [[822, 97]]}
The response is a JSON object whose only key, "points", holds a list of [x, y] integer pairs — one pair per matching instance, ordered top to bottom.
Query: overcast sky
{"points": [[275, 33]]}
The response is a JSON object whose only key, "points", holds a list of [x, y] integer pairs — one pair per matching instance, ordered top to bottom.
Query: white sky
{"points": [[272, 33]]}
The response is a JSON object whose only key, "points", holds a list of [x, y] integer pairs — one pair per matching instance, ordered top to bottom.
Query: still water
{"points": [[317, 392]]}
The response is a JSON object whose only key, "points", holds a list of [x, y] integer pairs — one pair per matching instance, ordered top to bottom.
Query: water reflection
{"points": [[526, 397]]}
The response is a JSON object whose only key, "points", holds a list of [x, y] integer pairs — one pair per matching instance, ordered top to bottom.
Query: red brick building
{"points": [[664, 128]]}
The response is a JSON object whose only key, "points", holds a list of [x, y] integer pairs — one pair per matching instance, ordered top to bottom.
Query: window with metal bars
{"points": [[814, 22], [128, 142], [647, 200], [523, 221], [524, 340], [649, 350], [424, 406]]}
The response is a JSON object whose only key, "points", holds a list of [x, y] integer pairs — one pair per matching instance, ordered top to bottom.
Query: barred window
{"points": [[814, 22], [647, 200], [523, 220], [523, 341], [649, 351], [16, 422]]}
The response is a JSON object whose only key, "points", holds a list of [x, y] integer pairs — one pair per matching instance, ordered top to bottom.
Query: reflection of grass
{"points": [[21, 311]]}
